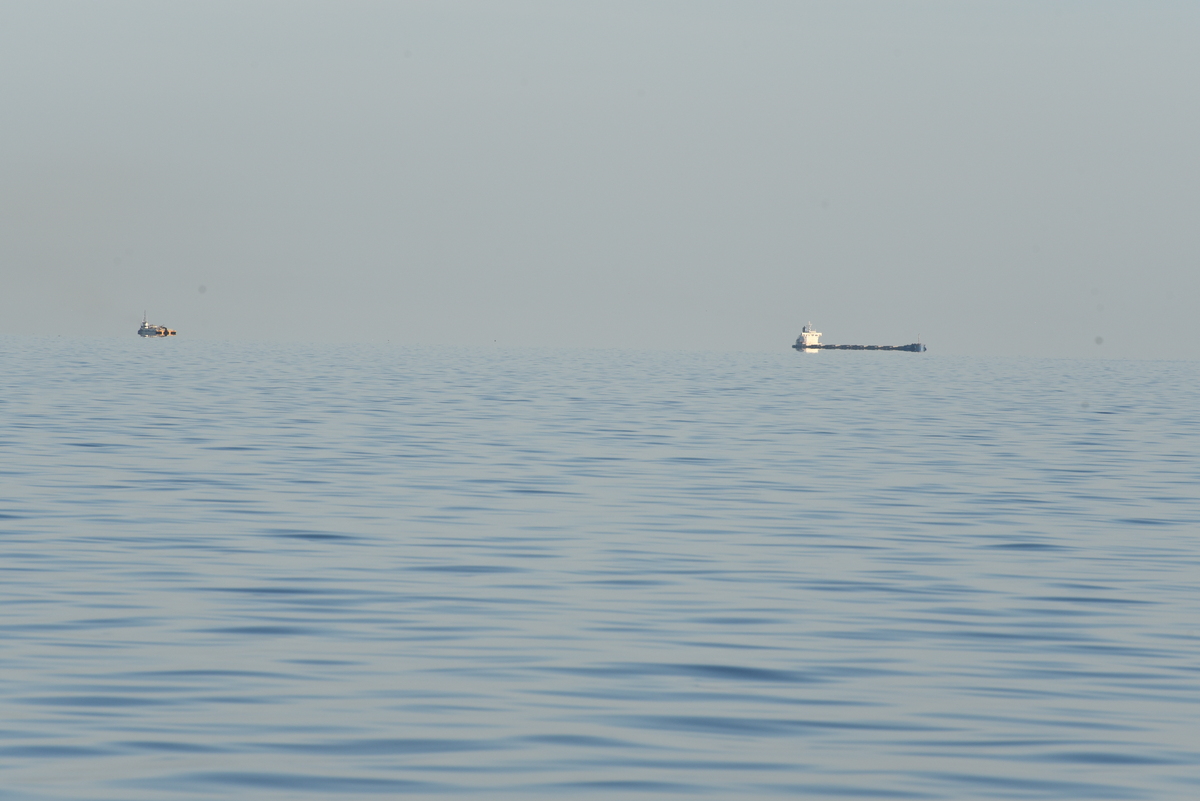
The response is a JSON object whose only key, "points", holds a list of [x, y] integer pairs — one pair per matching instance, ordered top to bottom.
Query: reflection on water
{"points": [[264, 571]]}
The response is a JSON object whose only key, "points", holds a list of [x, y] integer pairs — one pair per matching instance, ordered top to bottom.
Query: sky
{"points": [[993, 177]]}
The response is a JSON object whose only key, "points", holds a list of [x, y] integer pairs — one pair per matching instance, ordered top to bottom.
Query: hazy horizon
{"points": [[1013, 178]]}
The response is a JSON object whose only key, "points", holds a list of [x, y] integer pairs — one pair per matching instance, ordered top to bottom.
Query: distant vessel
{"points": [[152, 330], [811, 340]]}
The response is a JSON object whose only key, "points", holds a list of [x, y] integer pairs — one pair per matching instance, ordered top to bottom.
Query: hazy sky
{"points": [[996, 177]]}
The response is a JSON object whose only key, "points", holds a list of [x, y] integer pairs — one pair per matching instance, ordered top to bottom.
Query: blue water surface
{"points": [[276, 571]]}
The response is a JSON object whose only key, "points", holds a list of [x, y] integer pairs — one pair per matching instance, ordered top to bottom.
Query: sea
{"points": [[271, 570]]}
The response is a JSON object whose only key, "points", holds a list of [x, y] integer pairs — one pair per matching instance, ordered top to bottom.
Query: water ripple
{"points": [[358, 571]]}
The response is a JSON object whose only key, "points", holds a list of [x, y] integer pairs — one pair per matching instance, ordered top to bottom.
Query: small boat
{"points": [[152, 330]]}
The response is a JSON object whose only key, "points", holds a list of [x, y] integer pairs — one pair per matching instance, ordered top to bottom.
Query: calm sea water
{"points": [[268, 571]]}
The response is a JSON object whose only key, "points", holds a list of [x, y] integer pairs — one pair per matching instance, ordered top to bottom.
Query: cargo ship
{"points": [[152, 330], [810, 340]]}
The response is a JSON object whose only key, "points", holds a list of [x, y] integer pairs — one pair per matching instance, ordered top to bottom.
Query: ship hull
{"points": [[915, 347]]}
